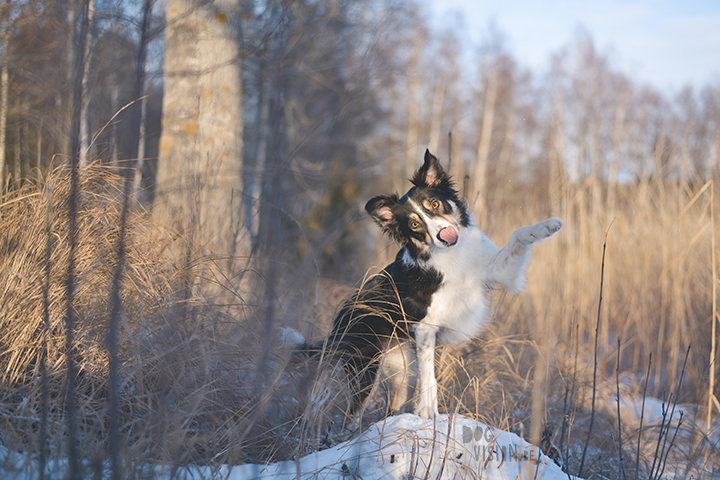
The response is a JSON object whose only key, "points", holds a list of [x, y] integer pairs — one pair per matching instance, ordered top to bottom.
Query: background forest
{"points": [[182, 179]]}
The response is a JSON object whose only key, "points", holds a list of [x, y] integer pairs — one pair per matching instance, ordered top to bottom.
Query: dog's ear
{"points": [[431, 173], [381, 210]]}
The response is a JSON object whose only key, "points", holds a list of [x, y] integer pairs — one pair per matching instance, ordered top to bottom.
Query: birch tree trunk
{"points": [[141, 75], [65, 99], [84, 124], [483, 150], [200, 160]]}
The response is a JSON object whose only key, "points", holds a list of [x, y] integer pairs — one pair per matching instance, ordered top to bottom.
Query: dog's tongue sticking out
{"points": [[448, 235]]}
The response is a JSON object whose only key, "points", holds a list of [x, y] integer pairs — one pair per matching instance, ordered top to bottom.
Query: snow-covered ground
{"points": [[400, 447], [406, 447]]}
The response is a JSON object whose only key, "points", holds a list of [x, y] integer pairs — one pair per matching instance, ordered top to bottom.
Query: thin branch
{"points": [[597, 328], [617, 384], [642, 413], [672, 442]]}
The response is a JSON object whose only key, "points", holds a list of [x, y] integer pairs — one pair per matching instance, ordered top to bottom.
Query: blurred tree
{"points": [[4, 86], [140, 109], [495, 109], [711, 113], [85, 125], [199, 176]]}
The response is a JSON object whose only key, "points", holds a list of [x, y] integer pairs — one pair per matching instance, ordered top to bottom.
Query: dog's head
{"points": [[428, 217]]}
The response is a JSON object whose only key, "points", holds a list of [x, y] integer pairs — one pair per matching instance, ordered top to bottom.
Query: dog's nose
{"points": [[448, 236]]}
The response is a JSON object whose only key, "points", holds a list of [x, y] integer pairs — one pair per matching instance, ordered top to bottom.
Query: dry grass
{"points": [[657, 298], [201, 382], [192, 385]]}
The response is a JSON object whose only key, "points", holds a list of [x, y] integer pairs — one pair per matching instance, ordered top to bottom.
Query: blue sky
{"points": [[665, 43]]}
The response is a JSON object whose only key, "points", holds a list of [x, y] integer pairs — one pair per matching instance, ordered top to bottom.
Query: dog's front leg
{"points": [[507, 267], [425, 344]]}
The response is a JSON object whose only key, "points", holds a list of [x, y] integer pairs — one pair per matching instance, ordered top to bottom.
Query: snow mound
{"points": [[401, 447], [406, 447]]}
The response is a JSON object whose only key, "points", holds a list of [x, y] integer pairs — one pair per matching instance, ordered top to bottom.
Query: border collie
{"points": [[435, 292]]}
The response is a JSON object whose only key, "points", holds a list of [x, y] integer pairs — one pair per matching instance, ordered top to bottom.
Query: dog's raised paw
{"points": [[552, 225]]}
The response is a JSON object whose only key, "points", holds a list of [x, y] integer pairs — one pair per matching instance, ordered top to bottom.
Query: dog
{"points": [[435, 292]]}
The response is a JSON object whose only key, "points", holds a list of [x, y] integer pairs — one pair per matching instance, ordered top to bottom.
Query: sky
{"points": [[666, 43]]}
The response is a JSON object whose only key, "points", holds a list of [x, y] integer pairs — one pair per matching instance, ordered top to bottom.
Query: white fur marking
{"points": [[459, 308]]}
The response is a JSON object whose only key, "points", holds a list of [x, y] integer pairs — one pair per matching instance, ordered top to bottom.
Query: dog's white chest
{"points": [[459, 308]]}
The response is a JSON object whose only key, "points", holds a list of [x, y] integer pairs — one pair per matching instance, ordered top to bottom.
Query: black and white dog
{"points": [[433, 293]]}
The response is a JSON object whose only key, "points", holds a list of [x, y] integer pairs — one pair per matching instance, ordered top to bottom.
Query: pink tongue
{"points": [[448, 235]]}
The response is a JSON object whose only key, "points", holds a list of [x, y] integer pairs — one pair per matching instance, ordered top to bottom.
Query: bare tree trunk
{"points": [[140, 79], [4, 83], [4, 87], [66, 100], [114, 106], [436, 114], [263, 117], [413, 120], [84, 124], [617, 143], [508, 144], [483, 150], [140, 157], [38, 160], [200, 160], [397, 163], [17, 165], [595, 165], [25, 166], [457, 166], [686, 172], [71, 408]]}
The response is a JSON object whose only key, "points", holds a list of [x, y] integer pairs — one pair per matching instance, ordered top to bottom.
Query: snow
{"points": [[632, 408], [407, 446], [400, 447]]}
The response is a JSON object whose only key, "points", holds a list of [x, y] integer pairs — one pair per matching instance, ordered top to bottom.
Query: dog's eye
{"points": [[435, 204], [414, 224]]}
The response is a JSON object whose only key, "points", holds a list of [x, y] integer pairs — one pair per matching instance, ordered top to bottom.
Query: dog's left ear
{"points": [[431, 173], [381, 210]]}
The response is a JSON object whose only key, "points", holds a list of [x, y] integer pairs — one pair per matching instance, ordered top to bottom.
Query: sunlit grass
{"points": [[202, 383]]}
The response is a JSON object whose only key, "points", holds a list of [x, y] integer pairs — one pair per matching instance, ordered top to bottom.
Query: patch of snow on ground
{"points": [[632, 408], [407, 446], [401, 447]]}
